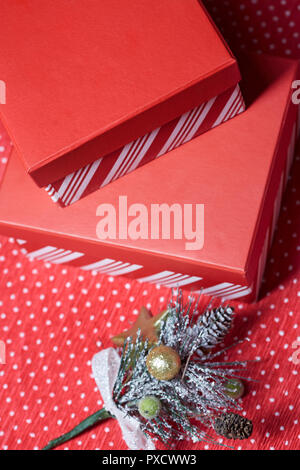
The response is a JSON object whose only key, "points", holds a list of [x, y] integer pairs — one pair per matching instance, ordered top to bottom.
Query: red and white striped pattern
{"points": [[148, 147], [52, 254], [112, 267], [170, 279], [227, 290]]}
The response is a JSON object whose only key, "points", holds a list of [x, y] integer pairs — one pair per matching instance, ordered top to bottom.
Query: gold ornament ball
{"points": [[163, 363]]}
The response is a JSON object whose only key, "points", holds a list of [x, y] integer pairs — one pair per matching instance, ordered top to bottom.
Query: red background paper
{"points": [[53, 319]]}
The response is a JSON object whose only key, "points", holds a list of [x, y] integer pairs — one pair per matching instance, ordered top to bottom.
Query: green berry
{"points": [[234, 388], [149, 407]]}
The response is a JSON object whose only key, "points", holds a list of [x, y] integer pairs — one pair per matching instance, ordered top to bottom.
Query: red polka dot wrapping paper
{"points": [[270, 26], [53, 319]]}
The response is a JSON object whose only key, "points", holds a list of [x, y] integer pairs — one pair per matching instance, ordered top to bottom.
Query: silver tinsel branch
{"points": [[198, 392]]}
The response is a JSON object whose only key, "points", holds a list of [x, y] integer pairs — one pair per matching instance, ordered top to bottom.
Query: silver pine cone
{"points": [[214, 325]]}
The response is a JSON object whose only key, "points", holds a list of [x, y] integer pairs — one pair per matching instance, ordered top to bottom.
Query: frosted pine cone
{"points": [[214, 326]]}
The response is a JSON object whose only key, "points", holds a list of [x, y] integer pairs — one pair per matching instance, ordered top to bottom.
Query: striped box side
{"points": [[148, 147]]}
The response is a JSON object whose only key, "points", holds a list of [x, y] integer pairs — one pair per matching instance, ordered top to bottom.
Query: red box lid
{"points": [[83, 78], [229, 170]]}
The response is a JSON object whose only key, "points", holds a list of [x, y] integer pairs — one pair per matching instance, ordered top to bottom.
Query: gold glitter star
{"points": [[147, 323]]}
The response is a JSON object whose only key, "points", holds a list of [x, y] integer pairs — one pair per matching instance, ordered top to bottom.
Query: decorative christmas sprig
{"points": [[165, 388]]}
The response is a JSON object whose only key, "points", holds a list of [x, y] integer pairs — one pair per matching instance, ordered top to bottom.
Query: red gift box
{"points": [[96, 89], [237, 172]]}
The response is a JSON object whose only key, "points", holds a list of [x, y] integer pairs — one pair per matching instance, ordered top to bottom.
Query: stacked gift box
{"points": [[141, 158]]}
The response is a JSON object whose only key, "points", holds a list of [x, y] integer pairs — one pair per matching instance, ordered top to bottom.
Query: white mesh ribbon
{"points": [[105, 366]]}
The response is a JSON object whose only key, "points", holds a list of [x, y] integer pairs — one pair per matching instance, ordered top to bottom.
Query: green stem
{"points": [[81, 427]]}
